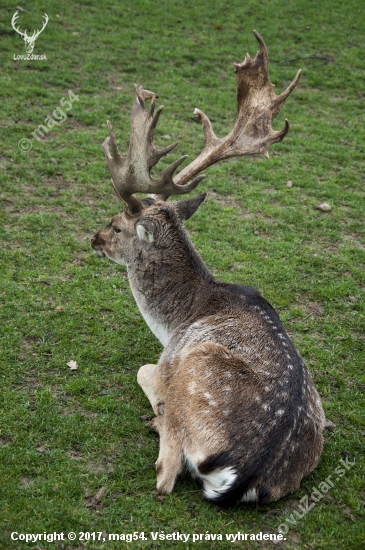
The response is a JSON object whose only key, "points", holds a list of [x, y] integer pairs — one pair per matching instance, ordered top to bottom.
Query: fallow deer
{"points": [[233, 399]]}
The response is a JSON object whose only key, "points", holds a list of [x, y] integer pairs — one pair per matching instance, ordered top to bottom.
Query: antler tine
{"points": [[46, 19], [14, 21], [257, 106]]}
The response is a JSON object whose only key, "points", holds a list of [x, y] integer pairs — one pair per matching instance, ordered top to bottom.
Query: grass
{"points": [[63, 434]]}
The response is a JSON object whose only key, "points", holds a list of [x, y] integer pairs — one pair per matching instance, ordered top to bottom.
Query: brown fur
{"points": [[233, 399]]}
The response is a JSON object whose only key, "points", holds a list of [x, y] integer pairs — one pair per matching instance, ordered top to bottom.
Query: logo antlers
{"points": [[29, 40]]}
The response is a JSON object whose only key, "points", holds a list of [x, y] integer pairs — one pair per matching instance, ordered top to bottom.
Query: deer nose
{"points": [[97, 241], [97, 244]]}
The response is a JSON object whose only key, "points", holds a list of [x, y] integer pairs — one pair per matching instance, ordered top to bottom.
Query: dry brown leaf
{"points": [[324, 207], [72, 365], [146, 417], [328, 425], [42, 449], [26, 482], [94, 500], [347, 512]]}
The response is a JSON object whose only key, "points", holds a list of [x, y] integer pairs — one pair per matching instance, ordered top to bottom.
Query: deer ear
{"points": [[187, 207], [145, 231]]}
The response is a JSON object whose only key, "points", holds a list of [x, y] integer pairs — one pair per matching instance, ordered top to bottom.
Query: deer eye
{"points": [[116, 229]]}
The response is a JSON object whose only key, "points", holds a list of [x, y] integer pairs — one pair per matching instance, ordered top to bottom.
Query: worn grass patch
{"points": [[66, 435]]}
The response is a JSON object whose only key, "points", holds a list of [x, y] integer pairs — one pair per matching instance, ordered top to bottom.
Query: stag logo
{"points": [[29, 40]]}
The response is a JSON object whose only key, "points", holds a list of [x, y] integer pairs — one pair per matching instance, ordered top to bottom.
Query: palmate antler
{"points": [[257, 106]]}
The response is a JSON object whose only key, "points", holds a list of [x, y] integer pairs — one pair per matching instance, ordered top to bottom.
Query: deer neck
{"points": [[168, 286]]}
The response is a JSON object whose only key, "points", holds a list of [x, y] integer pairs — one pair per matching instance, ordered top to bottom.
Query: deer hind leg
{"points": [[147, 378], [169, 463]]}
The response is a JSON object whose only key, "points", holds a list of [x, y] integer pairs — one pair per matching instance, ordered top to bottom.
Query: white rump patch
{"points": [[218, 482], [250, 496]]}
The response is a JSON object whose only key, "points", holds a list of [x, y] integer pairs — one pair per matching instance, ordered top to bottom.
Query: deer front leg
{"points": [[147, 378], [169, 463]]}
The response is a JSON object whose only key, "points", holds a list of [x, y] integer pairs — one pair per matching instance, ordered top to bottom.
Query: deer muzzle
{"points": [[97, 243]]}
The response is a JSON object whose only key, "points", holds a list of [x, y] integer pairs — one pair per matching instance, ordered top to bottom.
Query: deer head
{"points": [[29, 40], [257, 106]]}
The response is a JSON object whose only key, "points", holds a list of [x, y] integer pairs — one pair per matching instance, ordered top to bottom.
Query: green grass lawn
{"points": [[64, 435]]}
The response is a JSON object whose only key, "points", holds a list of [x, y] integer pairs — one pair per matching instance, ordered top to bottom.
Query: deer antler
{"points": [[13, 21], [37, 33], [257, 106], [131, 174]]}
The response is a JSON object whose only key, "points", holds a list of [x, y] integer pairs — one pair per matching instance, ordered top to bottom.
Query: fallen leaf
{"points": [[324, 207], [59, 309], [72, 365], [328, 425], [42, 449], [73, 454], [26, 482], [94, 500], [347, 513]]}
